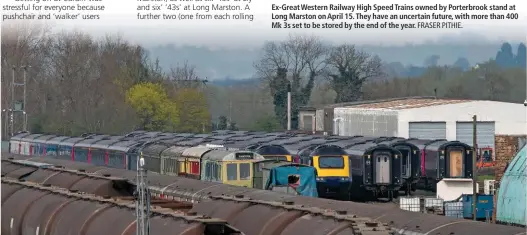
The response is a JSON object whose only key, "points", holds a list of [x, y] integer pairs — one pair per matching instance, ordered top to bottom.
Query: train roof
{"points": [[19, 135], [31, 137], [43, 138], [57, 139], [291, 140], [71, 141], [88, 142], [193, 142], [105, 143], [346, 143], [420, 143], [442, 144], [124, 145], [154, 148], [295, 148], [362, 148], [271, 149], [173, 151], [195, 152], [231, 155]]}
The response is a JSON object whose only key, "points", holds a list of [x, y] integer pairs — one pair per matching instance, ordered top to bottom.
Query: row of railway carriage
{"points": [[355, 167]]}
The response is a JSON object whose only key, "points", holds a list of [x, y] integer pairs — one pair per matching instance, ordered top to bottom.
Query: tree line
{"points": [[79, 84]]}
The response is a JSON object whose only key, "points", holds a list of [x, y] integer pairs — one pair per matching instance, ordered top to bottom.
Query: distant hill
{"points": [[235, 64], [235, 82]]}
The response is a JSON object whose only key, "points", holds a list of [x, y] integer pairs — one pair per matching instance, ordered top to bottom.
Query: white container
{"points": [[433, 202], [409, 204], [454, 209]]}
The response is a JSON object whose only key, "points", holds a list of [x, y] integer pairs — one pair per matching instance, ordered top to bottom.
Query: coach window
{"points": [[207, 170], [215, 171], [232, 171], [245, 171], [220, 173]]}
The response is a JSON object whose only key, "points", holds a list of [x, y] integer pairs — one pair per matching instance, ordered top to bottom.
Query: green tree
{"points": [[302, 59], [348, 70], [151, 103], [194, 114], [222, 123], [267, 123]]}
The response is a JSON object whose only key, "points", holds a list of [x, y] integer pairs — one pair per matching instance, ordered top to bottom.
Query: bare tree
{"points": [[24, 44], [302, 58], [348, 69], [185, 76]]}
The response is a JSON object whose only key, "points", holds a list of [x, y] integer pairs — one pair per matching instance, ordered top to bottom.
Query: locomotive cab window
{"points": [[331, 162], [232, 171], [245, 171]]}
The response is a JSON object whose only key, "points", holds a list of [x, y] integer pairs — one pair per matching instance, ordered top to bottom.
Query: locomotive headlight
{"points": [[319, 179], [343, 179]]}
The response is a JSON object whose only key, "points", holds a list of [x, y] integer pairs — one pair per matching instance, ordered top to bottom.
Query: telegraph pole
{"points": [[14, 102], [289, 106], [24, 111], [11, 116], [474, 166], [143, 200]]}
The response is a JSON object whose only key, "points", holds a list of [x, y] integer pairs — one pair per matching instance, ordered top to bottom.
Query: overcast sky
{"points": [[121, 18]]}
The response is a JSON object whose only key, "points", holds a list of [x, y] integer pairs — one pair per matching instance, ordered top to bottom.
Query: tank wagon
{"points": [[443, 159], [267, 205], [34, 209]]}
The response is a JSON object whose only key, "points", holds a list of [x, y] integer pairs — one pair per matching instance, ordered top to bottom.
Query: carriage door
{"points": [[407, 164], [382, 169]]}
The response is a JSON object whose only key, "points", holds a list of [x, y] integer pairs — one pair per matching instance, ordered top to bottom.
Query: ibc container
{"points": [[410, 204], [454, 209]]}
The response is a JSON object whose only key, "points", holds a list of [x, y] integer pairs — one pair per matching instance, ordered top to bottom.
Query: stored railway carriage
{"points": [[15, 143], [27, 144], [39, 145], [52, 145], [82, 149], [66, 150], [275, 150], [151, 152], [124, 154], [101, 155], [443, 159], [169, 160], [411, 161], [189, 162], [229, 167], [333, 169], [376, 170], [286, 177]]}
